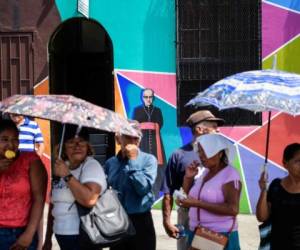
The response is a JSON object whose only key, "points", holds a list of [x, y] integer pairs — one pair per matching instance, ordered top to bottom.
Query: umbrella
{"points": [[258, 90], [67, 109]]}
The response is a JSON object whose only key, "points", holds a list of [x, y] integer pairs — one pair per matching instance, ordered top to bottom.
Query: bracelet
{"points": [[68, 177]]}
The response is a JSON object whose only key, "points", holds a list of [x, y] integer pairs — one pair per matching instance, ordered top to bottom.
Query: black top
{"points": [[148, 143], [285, 217]]}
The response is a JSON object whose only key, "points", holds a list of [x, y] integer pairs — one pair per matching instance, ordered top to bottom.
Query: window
{"points": [[215, 39], [16, 64]]}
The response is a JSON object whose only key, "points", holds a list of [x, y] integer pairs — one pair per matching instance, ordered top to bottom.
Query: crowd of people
{"points": [[199, 177]]}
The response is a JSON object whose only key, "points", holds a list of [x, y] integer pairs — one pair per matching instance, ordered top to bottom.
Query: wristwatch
{"points": [[67, 177]]}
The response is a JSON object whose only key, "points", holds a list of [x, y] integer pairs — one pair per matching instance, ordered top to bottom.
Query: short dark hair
{"points": [[8, 125], [290, 151]]}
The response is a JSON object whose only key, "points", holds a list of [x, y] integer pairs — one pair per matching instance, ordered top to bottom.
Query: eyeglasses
{"points": [[148, 96], [6, 140], [73, 144]]}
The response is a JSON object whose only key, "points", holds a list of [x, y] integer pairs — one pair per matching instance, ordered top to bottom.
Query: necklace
{"points": [[148, 113]]}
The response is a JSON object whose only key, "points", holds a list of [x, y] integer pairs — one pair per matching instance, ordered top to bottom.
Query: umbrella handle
{"points": [[268, 137], [61, 141], [265, 171]]}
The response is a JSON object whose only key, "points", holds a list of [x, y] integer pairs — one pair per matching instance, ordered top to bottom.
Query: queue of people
{"points": [[200, 173]]}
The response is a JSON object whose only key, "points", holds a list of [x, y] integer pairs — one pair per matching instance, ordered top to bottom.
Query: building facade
{"points": [[122, 47]]}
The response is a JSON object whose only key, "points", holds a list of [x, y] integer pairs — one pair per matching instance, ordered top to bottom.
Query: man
{"points": [[151, 122], [200, 122], [30, 136], [132, 173]]}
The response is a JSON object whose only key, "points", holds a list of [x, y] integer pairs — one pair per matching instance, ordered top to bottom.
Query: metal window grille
{"points": [[215, 39], [16, 64]]}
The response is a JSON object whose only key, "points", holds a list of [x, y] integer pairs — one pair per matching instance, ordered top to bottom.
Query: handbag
{"points": [[105, 224], [265, 235], [206, 239]]}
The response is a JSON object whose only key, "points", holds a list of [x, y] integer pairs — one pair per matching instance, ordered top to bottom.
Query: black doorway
{"points": [[81, 64]]}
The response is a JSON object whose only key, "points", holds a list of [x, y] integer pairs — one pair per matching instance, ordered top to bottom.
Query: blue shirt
{"points": [[29, 134], [176, 166], [133, 179]]}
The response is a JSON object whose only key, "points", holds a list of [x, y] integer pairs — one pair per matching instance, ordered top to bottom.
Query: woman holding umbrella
{"points": [[82, 180], [23, 184], [280, 203]]}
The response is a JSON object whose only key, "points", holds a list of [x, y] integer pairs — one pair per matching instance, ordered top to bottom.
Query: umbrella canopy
{"points": [[259, 90], [67, 109]]}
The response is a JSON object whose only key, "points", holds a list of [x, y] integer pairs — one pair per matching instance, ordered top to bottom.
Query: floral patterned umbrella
{"points": [[67, 109]]}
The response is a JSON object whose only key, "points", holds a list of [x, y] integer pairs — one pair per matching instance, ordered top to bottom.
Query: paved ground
{"points": [[247, 229]]}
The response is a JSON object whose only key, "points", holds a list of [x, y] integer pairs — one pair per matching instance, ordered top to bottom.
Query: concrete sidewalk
{"points": [[248, 231]]}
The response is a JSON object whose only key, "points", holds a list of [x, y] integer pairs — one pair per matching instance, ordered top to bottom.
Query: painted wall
{"points": [[143, 35]]}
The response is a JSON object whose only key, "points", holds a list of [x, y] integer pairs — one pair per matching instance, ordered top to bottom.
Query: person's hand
{"points": [[131, 151], [4, 164], [61, 169], [192, 170], [263, 181], [188, 202], [171, 230], [23, 242]]}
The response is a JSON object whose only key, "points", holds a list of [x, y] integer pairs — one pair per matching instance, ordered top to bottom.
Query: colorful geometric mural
{"points": [[281, 35], [144, 56]]}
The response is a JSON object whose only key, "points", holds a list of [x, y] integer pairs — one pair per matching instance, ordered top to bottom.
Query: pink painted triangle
{"points": [[278, 27], [164, 85], [238, 133]]}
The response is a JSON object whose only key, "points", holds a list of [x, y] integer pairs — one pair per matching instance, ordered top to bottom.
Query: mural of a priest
{"points": [[151, 122]]}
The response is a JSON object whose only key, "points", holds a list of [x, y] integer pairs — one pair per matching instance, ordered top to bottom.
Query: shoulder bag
{"points": [[105, 224], [206, 239]]}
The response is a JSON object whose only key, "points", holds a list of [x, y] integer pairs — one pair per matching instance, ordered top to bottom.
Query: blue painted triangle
{"points": [[290, 4], [252, 166]]}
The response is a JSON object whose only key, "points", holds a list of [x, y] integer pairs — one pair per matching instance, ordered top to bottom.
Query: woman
{"points": [[82, 179], [23, 184], [214, 197], [280, 204]]}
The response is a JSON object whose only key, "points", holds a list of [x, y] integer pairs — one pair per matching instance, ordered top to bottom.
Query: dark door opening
{"points": [[81, 64]]}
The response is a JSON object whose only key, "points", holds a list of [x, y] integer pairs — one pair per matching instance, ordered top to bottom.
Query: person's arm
{"points": [[38, 141], [40, 148], [190, 172], [142, 174], [38, 183], [168, 188], [86, 194], [167, 205], [230, 206], [262, 207], [49, 231]]}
